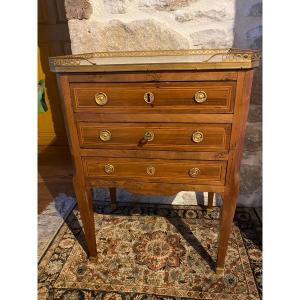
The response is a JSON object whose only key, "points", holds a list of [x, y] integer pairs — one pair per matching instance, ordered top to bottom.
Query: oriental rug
{"points": [[153, 252]]}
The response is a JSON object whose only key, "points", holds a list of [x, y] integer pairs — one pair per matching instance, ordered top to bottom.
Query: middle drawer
{"points": [[158, 136]]}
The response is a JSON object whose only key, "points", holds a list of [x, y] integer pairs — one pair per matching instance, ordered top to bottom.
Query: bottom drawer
{"points": [[156, 170]]}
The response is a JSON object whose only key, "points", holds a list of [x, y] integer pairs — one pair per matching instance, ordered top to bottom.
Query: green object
{"points": [[42, 105]]}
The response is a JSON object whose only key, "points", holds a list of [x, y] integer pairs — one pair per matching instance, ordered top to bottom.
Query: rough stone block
{"points": [[167, 5], [115, 6], [78, 9], [256, 10], [214, 15], [184, 17], [119, 36], [254, 37], [212, 38], [256, 94], [255, 113], [253, 139], [252, 157], [250, 178], [251, 185]]}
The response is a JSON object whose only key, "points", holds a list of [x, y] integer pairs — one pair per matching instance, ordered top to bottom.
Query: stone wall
{"points": [[150, 24], [112, 25], [248, 34]]}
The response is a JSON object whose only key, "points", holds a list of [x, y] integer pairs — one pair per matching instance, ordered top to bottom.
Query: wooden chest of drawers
{"points": [[157, 123]]}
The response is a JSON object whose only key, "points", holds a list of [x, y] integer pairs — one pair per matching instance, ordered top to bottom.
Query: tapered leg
{"points": [[113, 197], [84, 200], [210, 202], [226, 218]]}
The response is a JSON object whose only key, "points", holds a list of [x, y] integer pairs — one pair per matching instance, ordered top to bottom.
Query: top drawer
{"points": [[174, 97]]}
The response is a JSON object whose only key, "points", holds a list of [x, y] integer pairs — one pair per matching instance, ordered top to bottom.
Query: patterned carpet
{"points": [[157, 252]]}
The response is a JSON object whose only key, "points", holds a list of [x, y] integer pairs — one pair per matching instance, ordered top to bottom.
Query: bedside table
{"points": [[157, 122]]}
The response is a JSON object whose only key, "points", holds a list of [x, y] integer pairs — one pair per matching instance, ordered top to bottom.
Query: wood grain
{"points": [[152, 76], [168, 97], [154, 118], [216, 137], [142, 153], [168, 171], [83, 195], [230, 195], [210, 201]]}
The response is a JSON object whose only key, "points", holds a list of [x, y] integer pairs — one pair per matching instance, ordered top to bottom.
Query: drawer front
{"points": [[187, 97], [159, 136], [156, 170]]}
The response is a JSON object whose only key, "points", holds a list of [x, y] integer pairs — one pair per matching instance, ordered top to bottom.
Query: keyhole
{"points": [[149, 97]]}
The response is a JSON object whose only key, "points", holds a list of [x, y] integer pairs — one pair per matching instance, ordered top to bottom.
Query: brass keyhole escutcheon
{"points": [[149, 97], [200, 97], [101, 98], [105, 135], [149, 136], [197, 137], [109, 169], [150, 170], [194, 172]]}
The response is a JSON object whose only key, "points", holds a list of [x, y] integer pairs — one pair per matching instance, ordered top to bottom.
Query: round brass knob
{"points": [[200, 96], [149, 97], [101, 98], [105, 135], [149, 136], [197, 137], [109, 169], [150, 170], [194, 172]]}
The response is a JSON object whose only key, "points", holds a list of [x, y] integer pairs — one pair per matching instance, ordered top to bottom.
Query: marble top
{"points": [[196, 59]]}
